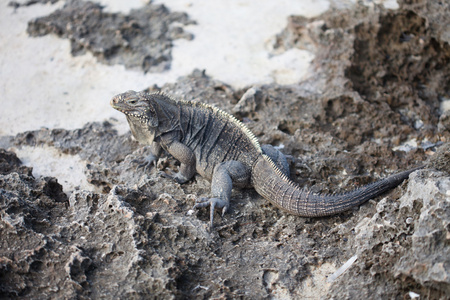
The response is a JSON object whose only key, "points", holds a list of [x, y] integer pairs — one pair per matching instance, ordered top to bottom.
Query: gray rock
{"points": [[141, 40], [427, 202], [137, 238]]}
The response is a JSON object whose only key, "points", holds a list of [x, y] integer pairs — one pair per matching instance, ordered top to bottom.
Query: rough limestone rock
{"points": [[141, 40], [372, 107], [402, 243], [428, 260]]}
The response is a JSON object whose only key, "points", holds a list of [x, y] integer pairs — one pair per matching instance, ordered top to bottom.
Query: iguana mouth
{"points": [[142, 119]]}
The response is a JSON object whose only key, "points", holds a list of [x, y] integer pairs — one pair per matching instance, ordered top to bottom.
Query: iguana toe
{"points": [[146, 162], [174, 176], [212, 203]]}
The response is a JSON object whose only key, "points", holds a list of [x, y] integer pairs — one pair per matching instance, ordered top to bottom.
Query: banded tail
{"points": [[282, 192]]}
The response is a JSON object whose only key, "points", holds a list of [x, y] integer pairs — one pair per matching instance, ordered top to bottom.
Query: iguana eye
{"points": [[132, 101]]}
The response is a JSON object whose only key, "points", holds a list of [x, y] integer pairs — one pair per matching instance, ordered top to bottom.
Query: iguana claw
{"points": [[146, 162], [174, 176], [213, 203]]}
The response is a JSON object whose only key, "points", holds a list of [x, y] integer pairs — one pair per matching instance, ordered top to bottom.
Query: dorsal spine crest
{"points": [[219, 113], [278, 171]]}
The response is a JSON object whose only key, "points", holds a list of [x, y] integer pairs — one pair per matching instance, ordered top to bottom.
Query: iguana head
{"points": [[137, 107]]}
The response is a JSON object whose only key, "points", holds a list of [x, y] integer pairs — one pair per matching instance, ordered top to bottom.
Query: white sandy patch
{"points": [[123, 6], [233, 40], [42, 85], [445, 105], [49, 161], [316, 285]]}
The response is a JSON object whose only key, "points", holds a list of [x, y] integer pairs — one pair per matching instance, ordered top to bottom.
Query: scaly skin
{"points": [[214, 144]]}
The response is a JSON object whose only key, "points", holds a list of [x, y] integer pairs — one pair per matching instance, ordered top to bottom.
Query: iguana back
{"points": [[215, 137]]}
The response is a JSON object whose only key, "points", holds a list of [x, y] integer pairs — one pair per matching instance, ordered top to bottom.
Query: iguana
{"points": [[213, 143]]}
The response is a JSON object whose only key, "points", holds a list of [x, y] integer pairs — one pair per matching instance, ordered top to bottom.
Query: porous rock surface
{"points": [[140, 40], [134, 238]]}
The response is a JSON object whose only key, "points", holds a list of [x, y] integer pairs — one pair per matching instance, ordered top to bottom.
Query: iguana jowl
{"points": [[216, 145]]}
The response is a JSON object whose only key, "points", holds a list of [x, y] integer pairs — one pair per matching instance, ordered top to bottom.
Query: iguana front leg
{"points": [[186, 157], [151, 159], [225, 174]]}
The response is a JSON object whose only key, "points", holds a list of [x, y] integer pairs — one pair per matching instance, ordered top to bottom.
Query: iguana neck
{"points": [[143, 133]]}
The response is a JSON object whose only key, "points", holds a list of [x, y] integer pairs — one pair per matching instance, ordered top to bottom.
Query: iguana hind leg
{"points": [[277, 157], [233, 172], [225, 174]]}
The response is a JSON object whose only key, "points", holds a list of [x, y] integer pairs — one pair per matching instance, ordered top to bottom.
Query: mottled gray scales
{"points": [[216, 145]]}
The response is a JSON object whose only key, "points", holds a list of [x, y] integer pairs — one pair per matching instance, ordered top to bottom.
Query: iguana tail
{"points": [[282, 192]]}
